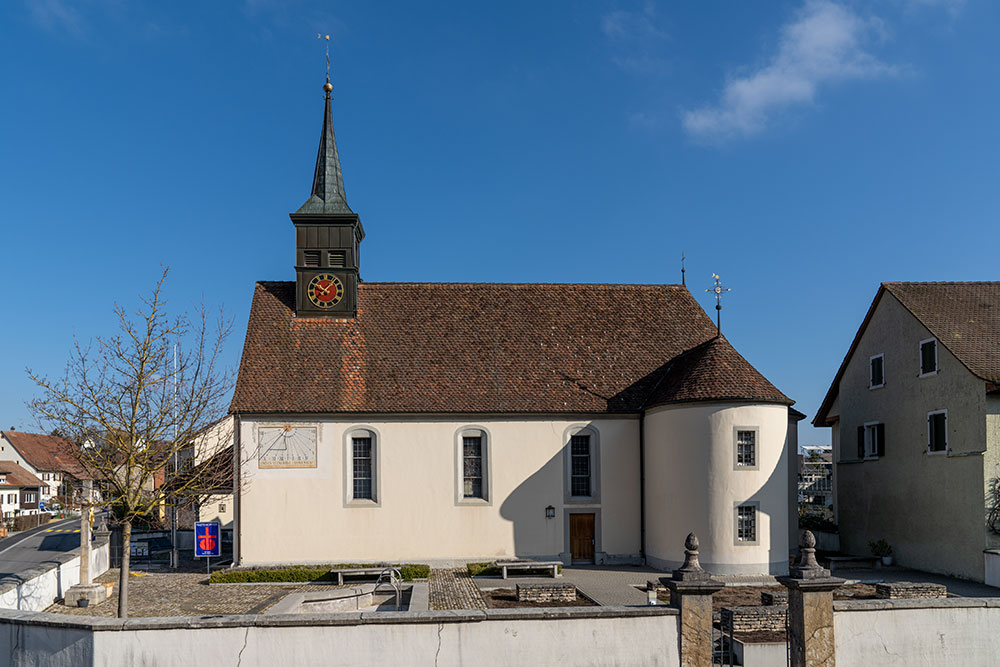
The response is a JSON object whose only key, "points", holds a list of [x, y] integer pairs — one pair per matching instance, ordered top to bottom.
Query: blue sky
{"points": [[805, 151]]}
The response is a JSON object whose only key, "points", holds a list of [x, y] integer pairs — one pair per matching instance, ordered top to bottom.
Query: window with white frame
{"points": [[928, 356], [876, 371], [937, 431], [873, 440], [746, 448], [362, 457], [580, 465], [472, 466], [29, 497], [11, 498], [746, 523]]}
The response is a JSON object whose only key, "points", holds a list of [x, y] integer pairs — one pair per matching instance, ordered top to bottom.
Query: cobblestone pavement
{"points": [[454, 589], [185, 594]]}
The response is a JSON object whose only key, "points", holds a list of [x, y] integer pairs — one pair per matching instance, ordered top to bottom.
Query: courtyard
{"points": [[186, 593]]}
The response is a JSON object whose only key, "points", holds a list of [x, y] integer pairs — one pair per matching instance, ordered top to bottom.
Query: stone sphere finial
{"points": [[808, 540], [691, 543]]}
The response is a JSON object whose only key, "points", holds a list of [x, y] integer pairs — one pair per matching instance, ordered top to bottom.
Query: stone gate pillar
{"points": [[691, 591], [810, 609]]}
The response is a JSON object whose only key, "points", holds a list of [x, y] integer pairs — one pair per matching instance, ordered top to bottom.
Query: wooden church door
{"points": [[581, 538]]}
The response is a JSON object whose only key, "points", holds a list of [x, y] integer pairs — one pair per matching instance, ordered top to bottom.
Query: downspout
{"points": [[642, 486], [237, 504]]}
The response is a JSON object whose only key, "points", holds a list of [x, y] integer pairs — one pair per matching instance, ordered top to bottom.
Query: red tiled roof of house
{"points": [[964, 317], [472, 348], [714, 371], [46, 452], [16, 476]]}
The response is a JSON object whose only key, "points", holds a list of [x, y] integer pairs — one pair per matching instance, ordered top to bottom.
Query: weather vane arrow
{"points": [[718, 290]]}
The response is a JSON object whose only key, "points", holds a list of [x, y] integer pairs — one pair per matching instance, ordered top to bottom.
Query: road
{"points": [[33, 547]]}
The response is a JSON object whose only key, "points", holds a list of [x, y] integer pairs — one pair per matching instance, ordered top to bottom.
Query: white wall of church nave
{"points": [[693, 485], [300, 515]]}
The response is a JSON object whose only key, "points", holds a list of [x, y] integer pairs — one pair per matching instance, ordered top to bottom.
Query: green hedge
{"points": [[484, 569], [490, 570], [307, 573]]}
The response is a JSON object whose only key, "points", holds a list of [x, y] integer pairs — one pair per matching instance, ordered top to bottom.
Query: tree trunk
{"points": [[123, 574]]}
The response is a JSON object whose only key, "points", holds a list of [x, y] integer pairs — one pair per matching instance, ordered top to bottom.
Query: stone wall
{"points": [[36, 589], [907, 590], [546, 592], [772, 598], [755, 619], [903, 633], [583, 636]]}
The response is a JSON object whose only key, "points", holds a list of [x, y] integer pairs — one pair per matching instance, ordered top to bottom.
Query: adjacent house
{"points": [[915, 414], [589, 423], [48, 457], [816, 477], [19, 490]]}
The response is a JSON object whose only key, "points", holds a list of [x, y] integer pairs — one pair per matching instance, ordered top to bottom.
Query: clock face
{"points": [[325, 290], [286, 446]]}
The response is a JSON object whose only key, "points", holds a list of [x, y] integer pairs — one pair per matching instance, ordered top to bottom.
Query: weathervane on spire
{"points": [[326, 86], [718, 290]]}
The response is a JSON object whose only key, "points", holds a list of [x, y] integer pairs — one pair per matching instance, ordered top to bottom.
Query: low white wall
{"points": [[992, 563], [37, 589], [955, 631], [516, 637]]}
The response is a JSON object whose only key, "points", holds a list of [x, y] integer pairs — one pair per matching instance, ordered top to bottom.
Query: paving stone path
{"points": [[454, 589], [185, 594]]}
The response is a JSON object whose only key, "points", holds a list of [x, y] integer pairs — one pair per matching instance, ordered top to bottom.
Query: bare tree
{"points": [[135, 402]]}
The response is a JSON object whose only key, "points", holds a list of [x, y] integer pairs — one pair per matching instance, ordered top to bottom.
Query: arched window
{"points": [[582, 455], [472, 465], [361, 467]]}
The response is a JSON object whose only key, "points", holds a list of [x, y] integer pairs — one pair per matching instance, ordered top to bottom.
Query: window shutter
{"points": [[880, 433], [861, 442]]}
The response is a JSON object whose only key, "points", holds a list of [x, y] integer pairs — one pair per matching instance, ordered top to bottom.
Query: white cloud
{"points": [[57, 15], [635, 38], [824, 43]]}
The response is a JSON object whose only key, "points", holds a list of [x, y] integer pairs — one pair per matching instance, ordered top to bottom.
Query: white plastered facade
{"points": [[694, 485], [418, 514]]}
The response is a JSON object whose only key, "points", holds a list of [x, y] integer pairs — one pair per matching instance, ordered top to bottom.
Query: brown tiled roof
{"points": [[964, 317], [473, 348], [714, 371], [46, 452], [17, 476]]}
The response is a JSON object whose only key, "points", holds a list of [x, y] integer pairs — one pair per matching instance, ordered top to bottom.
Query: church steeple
{"points": [[328, 180], [328, 236]]}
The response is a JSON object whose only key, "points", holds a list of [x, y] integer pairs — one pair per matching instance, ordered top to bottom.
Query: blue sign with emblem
{"points": [[207, 542]]}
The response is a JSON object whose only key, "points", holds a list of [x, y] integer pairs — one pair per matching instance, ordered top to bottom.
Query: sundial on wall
{"points": [[286, 446]]}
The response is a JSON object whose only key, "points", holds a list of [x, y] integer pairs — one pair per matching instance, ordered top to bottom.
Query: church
{"points": [[454, 422]]}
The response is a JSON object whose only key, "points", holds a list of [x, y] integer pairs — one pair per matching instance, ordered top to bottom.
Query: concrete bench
{"points": [[842, 562], [505, 565], [359, 571]]}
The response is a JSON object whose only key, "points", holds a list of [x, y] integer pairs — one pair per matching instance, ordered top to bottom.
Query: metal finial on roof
{"points": [[328, 87], [327, 195], [683, 282], [718, 290]]}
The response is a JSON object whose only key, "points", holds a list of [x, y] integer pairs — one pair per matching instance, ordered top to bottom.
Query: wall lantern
{"points": [[550, 512]]}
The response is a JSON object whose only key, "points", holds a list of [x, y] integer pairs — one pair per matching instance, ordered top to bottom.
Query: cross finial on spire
{"points": [[327, 86], [328, 182], [718, 290]]}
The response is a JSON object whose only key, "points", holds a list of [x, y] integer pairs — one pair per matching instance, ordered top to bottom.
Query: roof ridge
{"points": [[941, 282], [489, 284]]}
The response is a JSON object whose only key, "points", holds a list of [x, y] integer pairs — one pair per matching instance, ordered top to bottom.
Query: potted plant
{"points": [[881, 549]]}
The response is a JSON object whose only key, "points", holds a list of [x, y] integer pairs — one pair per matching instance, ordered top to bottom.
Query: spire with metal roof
{"points": [[328, 182]]}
